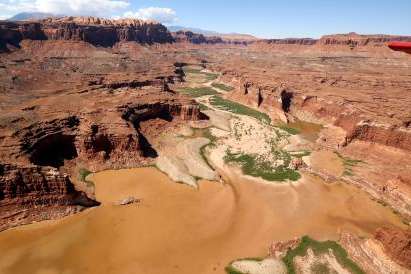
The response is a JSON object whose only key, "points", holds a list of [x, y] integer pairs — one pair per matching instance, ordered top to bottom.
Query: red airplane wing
{"points": [[400, 46]]}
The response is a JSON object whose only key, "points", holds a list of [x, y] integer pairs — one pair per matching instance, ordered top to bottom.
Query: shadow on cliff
{"points": [[146, 148], [53, 149]]}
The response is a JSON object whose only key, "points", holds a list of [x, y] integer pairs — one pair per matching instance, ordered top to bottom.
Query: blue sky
{"points": [[264, 18]]}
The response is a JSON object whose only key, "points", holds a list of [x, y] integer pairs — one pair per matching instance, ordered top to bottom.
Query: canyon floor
{"points": [[184, 157]]}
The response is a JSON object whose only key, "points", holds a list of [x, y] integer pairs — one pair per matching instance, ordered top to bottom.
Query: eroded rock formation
{"points": [[96, 31], [195, 38], [357, 40], [360, 96], [67, 106], [360, 107], [33, 193], [397, 243], [374, 255]]}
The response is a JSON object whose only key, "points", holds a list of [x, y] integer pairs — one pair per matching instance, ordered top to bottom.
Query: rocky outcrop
{"points": [[96, 31], [195, 38], [198, 39], [356, 40], [288, 41], [334, 42], [137, 113], [399, 137], [34, 193], [397, 244], [371, 255]]}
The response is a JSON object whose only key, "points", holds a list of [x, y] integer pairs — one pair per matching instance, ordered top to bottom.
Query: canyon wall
{"points": [[96, 31], [106, 33], [195, 38], [357, 40], [288, 41], [334, 42], [284, 103], [33, 193]]}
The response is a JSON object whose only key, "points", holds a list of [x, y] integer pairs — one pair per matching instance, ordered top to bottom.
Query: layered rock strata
{"points": [[96, 31], [195, 38], [361, 99], [69, 108], [33, 193]]}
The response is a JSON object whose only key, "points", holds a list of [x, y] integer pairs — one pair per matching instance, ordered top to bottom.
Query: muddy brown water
{"points": [[308, 131], [178, 229]]}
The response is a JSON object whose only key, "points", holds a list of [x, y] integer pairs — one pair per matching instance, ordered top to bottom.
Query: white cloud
{"points": [[65, 7], [81, 7], [104, 8], [162, 15]]}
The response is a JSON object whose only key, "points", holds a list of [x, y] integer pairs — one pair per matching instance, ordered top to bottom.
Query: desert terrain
{"points": [[127, 148]]}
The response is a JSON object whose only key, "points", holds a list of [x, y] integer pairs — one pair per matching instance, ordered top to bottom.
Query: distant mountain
{"points": [[30, 15], [195, 30], [233, 36]]}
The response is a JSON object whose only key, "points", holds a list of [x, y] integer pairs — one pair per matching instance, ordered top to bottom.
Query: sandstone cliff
{"points": [[96, 31], [195, 38], [354, 40], [289, 41], [340, 42], [33, 193], [397, 243]]}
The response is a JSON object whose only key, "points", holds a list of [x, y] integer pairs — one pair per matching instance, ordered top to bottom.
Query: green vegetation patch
{"points": [[191, 70], [210, 76], [222, 86], [198, 92], [203, 107], [237, 108], [290, 130], [207, 134], [300, 154], [348, 164], [251, 165], [82, 174], [318, 249], [320, 268], [231, 270]]}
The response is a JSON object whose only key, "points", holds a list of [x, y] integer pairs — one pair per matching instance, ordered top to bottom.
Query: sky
{"points": [[264, 18]]}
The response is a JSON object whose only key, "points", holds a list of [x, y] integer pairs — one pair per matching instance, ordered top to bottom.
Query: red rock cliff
{"points": [[96, 31], [354, 39], [37, 193]]}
